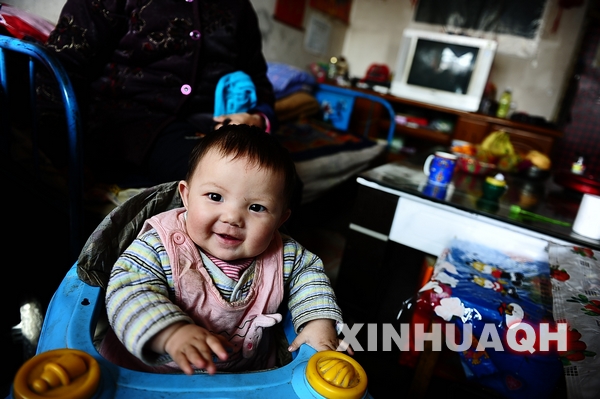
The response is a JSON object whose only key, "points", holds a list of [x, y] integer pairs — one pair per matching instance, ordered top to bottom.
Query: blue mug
{"points": [[439, 168], [435, 191]]}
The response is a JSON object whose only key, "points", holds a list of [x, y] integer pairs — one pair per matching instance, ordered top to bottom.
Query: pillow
{"points": [[287, 79]]}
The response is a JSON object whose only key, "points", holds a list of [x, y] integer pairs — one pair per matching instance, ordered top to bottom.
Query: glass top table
{"points": [[541, 197]]}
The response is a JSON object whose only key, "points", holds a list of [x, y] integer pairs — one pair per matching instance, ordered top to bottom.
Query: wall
{"points": [[282, 43], [538, 80]]}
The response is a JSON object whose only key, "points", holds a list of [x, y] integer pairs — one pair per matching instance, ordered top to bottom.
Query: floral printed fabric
{"points": [[575, 273], [490, 290]]}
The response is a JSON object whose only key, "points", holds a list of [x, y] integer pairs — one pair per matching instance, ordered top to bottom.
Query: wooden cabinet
{"points": [[468, 126], [474, 128], [471, 129], [376, 275], [358, 288]]}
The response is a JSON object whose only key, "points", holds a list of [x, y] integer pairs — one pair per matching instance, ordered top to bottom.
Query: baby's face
{"points": [[233, 207]]}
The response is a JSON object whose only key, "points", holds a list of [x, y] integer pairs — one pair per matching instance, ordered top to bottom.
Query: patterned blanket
{"points": [[310, 139]]}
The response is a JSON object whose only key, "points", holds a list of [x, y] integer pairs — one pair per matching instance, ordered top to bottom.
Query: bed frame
{"points": [[11, 50], [328, 148]]}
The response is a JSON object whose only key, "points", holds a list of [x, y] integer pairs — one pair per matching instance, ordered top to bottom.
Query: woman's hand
{"points": [[240, 119]]}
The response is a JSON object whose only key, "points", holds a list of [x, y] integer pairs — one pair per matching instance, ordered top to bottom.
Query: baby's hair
{"points": [[262, 149]]}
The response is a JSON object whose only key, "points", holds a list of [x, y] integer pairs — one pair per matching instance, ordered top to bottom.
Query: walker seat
{"points": [[78, 305], [71, 322]]}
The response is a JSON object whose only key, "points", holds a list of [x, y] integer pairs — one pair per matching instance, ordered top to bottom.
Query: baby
{"points": [[201, 285]]}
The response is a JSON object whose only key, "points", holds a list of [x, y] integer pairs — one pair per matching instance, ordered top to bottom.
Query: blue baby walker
{"points": [[67, 364]]}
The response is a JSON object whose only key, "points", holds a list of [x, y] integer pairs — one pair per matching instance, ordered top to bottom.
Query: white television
{"points": [[443, 69]]}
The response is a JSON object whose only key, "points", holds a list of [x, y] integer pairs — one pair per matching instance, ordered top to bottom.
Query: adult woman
{"points": [[146, 72]]}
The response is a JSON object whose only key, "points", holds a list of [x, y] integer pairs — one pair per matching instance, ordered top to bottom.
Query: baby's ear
{"points": [[184, 191], [284, 216]]}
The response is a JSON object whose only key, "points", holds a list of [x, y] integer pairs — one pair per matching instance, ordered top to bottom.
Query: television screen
{"points": [[442, 66], [443, 69]]}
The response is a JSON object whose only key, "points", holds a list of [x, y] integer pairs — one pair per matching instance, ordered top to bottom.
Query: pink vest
{"points": [[242, 322]]}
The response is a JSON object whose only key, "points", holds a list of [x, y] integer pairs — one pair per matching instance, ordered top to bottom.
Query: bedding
{"points": [[288, 79], [314, 127], [324, 156], [321, 174]]}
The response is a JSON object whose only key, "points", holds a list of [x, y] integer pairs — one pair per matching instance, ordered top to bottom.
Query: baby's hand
{"points": [[320, 334], [191, 345]]}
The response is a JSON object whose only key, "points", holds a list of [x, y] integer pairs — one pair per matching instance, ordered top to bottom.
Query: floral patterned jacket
{"points": [[142, 64]]}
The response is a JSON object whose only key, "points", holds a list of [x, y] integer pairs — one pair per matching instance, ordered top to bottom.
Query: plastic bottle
{"points": [[332, 69], [504, 103]]}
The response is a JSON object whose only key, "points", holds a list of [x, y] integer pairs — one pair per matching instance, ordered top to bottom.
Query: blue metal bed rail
{"points": [[38, 56], [326, 88]]}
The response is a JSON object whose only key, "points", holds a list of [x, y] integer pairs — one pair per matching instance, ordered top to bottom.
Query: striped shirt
{"points": [[233, 269], [141, 300]]}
